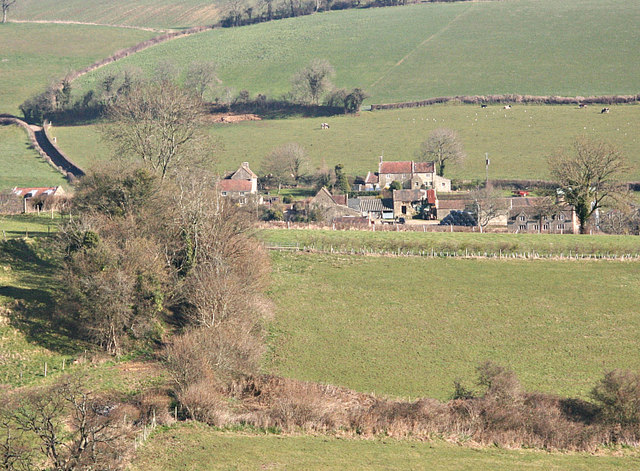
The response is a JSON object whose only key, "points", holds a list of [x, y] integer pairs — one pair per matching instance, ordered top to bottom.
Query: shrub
{"points": [[618, 395]]}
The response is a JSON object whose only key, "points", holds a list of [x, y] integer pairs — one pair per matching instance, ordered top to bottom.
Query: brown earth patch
{"points": [[233, 118]]}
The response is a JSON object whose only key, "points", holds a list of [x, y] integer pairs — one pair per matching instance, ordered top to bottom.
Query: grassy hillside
{"points": [[146, 13], [541, 47], [33, 55], [518, 140], [21, 165], [411, 326], [201, 448]]}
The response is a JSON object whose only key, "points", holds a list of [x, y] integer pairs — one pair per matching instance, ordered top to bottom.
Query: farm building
{"points": [[412, 175], [239, 184], [34, 199], [408, 203], [373, 207]]}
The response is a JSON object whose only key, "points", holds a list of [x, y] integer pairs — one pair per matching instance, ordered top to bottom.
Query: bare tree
{"points": [[6, 4], [200, 77], [313, 81], [159, 123], [442, 146], [286, 163], [589, 176], [487, 205], [67, 426]]}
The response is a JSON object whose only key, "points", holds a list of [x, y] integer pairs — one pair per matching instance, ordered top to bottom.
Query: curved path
{"points": [[38, 135], [44, 147]]}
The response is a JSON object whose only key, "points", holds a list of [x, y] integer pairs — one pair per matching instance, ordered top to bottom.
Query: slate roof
{"points": [[408, 195], [371, 204]]}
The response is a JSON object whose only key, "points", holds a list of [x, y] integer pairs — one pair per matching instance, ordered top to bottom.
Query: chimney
{"points": [[245, 164]]}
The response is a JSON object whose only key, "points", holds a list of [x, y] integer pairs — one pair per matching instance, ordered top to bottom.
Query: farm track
{"points": [[82, 23], [37, 134], [44, 147]]}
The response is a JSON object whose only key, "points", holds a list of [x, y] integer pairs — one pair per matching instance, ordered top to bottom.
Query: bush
{"points": [[618, 395]]}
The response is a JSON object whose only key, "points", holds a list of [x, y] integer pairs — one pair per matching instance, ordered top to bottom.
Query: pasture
{"points": [[144, 13], [538, 47], [34, 55], [518, 140], [21, 165], [457, 243], [409, 327], [197, 447]]}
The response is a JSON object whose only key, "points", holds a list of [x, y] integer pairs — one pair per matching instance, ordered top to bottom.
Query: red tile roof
{"points": [[395, 167], [406, 167], [424, 167], [372, 178], [235, 185], [34, 191], [340, 199]]}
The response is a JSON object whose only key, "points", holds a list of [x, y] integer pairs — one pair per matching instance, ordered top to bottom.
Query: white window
{"points": [[242, 193], [561, 217], [521, 218], [522, 227], [535, 227], [545, 227]]}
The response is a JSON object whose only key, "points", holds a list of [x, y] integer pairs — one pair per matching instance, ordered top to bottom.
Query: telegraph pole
{"points": [[486, 163]]}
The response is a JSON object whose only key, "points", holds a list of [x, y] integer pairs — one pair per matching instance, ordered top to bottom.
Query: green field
{"points": [[147, 13], [539, 47], [34, 55], [518, 140], [21, 165], [31, 225], [458, 243], [410, 326], [200, 448]]}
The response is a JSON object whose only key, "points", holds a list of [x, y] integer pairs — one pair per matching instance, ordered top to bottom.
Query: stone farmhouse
{"points": [[412, 175], [240, 184], [524, 216]]}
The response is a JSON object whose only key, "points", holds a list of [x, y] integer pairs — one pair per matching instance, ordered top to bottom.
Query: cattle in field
{"points": [[582, 105], [483, 106], [507, 107], [604, 110], [324, 126]]}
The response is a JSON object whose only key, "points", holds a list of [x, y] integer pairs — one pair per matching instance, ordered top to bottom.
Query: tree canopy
{"points": [[589, 176]]}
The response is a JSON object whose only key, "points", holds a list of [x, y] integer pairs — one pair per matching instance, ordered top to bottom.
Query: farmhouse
{"points": [[412, 175], [239, 184], [525, 215]]}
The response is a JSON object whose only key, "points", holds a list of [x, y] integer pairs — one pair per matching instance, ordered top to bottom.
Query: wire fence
{"points": [[466, 253]]}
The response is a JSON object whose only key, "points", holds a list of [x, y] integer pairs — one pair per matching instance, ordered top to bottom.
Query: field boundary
{"points": [[83, 23], [134, 49], [512, 98], [464, 254]]}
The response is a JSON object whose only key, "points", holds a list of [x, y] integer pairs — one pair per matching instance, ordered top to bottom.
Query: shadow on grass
{"points": [[30, 291]]}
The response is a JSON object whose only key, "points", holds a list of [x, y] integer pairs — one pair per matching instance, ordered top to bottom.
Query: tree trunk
{"points": [[4, 15]]}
